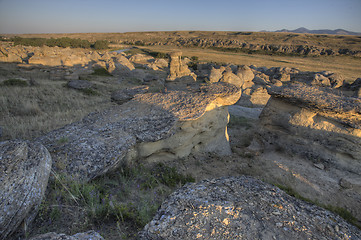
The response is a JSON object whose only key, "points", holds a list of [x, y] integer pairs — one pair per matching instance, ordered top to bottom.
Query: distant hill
{"points": [[321, 31]]}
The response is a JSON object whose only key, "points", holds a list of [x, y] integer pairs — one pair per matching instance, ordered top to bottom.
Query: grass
{"points": [[101, 72], [28, 112], [127, 196]]}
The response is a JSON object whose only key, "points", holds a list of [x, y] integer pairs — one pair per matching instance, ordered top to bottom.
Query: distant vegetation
{"points": [[59, 42]]}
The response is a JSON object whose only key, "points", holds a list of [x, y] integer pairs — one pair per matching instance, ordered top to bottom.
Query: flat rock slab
{"points": [[344, 109], [99, 143], [24, 174], [242, 208]]}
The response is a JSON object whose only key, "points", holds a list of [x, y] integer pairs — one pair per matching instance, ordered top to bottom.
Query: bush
{"points": [[100, 44], [101, 72], [15, 82]]}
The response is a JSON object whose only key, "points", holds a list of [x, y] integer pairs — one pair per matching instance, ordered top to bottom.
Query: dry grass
{"points": [[28, 112]]}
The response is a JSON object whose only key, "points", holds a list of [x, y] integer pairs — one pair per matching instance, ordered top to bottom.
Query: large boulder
{"points": [[245, 74], [229, 77], [124, 95], [323, 128], [101, 141], [24, 174], [242, 208], [90, 235]]}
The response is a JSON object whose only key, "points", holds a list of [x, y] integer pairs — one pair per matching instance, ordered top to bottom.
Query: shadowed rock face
{"points": [[314, 122], [324, 129], [101, 141], [24, 174], [242, 208]]}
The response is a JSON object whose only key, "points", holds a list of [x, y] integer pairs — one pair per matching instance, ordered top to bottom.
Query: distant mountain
{"points": [[321, 31]]}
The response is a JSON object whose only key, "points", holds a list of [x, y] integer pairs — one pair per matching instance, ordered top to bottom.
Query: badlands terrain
{"points": [[182, 135]]}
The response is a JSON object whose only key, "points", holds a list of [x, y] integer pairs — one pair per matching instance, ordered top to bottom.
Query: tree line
{"points": [[59, 42]]}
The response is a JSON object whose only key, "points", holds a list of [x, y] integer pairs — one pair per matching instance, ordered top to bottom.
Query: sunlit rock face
{"points": [[177, 68], [151, 126], [242, 208]]}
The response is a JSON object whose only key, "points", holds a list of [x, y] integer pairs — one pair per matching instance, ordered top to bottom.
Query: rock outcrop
{"points": [[178, 69], [124, 95], [152, 125], [323, 128], [24, 174], [242, 208], [90, 235]]}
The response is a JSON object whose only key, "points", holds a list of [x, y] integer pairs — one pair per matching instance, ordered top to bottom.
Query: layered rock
{"points": [[178, 69], [298, 117], [324, 129], [101, 141], [24, 173], [242, 208]]}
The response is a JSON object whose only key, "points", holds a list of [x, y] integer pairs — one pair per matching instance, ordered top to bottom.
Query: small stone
{"points": [[319, 166], [345, 184], [277, 213], [279, 224], [337, 228]]}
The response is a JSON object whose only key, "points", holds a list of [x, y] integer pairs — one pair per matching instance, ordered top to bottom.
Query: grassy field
{"points": [[349, 67]]}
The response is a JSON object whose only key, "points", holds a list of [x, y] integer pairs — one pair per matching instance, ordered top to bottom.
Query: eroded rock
{"points": [[101, 141], [24, 173], [242, 208]]}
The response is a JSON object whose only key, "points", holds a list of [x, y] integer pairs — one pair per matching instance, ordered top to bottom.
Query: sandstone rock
{"points": [[141, 58], [161, 63], [177, 68], [245, 74], [215, 75], [229, 77], [320, 80], [336, 80], [277, 83], [80, 84], [124, 95], [257, 96], [316, 123], [101, 141], [24, 173], [242, 208], [90, 235]]}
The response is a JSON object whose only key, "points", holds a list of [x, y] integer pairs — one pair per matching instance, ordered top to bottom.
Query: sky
{"points": [[78, 16]]}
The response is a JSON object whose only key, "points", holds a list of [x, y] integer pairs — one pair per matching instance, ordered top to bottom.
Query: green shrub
{"points": [[100, 45], [101, 72], [15, 82], [90, 92]]}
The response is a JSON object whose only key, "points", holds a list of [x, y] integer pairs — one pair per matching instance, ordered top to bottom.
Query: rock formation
{"points": [[177, 68], [152, 126], [323, 128], [24, 173], [242, 208], [90, 235]]}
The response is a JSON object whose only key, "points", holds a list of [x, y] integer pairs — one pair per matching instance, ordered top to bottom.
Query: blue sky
{"points": [[69, 16]]}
